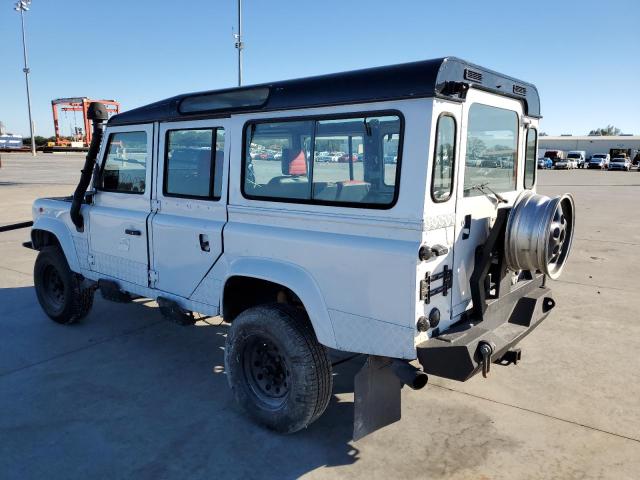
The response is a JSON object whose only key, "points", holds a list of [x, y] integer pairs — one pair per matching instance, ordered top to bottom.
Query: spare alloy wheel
{"points": [[539, 233]]}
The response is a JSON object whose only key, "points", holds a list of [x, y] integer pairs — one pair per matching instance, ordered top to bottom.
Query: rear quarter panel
{"points": [[362, 260]]}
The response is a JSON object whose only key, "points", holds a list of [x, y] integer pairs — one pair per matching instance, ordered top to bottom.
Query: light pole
{"points": [[23, 6], [239, 44]]}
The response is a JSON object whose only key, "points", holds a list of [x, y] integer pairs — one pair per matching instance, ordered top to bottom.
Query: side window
{"points": [[390, 144], [492, 150], [338, 158], [530, 158], [443, 159], [277, 160], [340, 161], [193, 163], [124, 169]]}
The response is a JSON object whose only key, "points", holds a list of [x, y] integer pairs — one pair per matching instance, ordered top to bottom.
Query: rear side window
{"points": [[492, 150], [530, 158], [443, 159], [277, 160], [351, 161], [193, 163], [124, 170]]}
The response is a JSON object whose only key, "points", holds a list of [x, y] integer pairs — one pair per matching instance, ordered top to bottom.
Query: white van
{"points": [[578, 156], [223, 203]]}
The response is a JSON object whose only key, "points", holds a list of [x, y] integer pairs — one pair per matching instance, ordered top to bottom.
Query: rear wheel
{"points": [[59, 289], [276, 368]]}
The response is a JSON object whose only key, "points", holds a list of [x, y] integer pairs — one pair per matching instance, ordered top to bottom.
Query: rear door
{"points": [[489, 160], [189, 204], [440, 205], [118, 216]]}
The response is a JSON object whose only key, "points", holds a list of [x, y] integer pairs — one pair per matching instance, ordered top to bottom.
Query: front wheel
{"points": [[58, 289], [278, 371]]}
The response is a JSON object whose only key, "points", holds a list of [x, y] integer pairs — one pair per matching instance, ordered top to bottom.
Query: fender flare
{"points": [[62, 233], [298, 280]]}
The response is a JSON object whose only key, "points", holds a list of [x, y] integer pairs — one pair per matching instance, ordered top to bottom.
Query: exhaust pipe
{"points": [[98, 114], [409, 375]]}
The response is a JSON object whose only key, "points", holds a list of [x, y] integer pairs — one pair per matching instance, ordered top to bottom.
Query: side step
{"points": [[110, 290], [175, 313]]}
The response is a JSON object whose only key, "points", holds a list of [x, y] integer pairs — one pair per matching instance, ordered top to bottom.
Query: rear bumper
{"points": [[455, 353]]}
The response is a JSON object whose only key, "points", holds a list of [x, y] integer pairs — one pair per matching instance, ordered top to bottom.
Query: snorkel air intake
{"points": [[97, 113]]}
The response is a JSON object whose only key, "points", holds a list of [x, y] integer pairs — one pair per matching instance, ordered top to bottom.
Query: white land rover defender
{"points": [[390, 212]]}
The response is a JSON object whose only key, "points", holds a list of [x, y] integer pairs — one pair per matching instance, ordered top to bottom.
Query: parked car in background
{"points": [[554, 154], [580, 156], [323, 157], [345, 158], [599, 160], [545, 163], [620, 163], [565, 164]]}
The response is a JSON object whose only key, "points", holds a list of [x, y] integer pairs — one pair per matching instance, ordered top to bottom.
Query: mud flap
{"points": [[377, 397]]}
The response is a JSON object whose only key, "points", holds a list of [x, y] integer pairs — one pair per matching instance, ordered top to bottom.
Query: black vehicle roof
{"points": [[447, 78]]}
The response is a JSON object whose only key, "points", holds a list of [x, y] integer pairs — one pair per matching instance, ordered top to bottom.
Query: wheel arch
{"points": [[47, 232], [250, 279]]}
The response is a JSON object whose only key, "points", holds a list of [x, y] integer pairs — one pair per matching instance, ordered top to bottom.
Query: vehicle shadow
{"points": [[128, 395], [248, 450]]}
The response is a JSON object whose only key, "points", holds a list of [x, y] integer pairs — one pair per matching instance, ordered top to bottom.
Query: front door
{"points": [[489, 161], [190, 204], [118, 217]]}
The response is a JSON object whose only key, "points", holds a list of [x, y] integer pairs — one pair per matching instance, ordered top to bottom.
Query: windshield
{"points": [[573, 155], [599, 156], [619, 160]]}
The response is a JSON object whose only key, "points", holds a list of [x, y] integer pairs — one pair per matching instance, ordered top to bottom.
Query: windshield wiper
{"points": [[484, 188]]}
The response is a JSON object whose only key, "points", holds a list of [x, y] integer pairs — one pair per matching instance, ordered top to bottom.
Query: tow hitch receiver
{"points": [[485, 351], [512, 357]]}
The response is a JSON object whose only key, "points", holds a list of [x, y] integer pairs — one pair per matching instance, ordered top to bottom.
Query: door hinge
{"points": [[155, 205], [153, 278], [427, 291]]}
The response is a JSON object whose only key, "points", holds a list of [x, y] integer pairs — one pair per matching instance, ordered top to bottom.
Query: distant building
{"points": [[9, 140], [590, 144]]}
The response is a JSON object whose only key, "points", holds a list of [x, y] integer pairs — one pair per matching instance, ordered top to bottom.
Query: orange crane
{"points": [[78, 104]]}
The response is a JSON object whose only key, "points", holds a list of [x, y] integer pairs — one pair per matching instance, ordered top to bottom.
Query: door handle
{"points": [[466, 228], [135, 233], [204, 242]]}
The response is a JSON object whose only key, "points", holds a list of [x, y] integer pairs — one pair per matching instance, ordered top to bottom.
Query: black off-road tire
{"points": [[59, 289], [278, 342]]}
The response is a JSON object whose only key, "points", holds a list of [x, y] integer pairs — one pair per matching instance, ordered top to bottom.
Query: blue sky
{"points": [[584, 56]]}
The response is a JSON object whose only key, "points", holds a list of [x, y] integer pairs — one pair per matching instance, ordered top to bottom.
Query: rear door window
{"points": [[492, 150], [530, 158], [444, 159], [193, 162]]}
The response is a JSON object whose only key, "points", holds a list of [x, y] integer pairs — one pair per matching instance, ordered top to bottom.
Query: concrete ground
{"points": [[127, 395]]}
